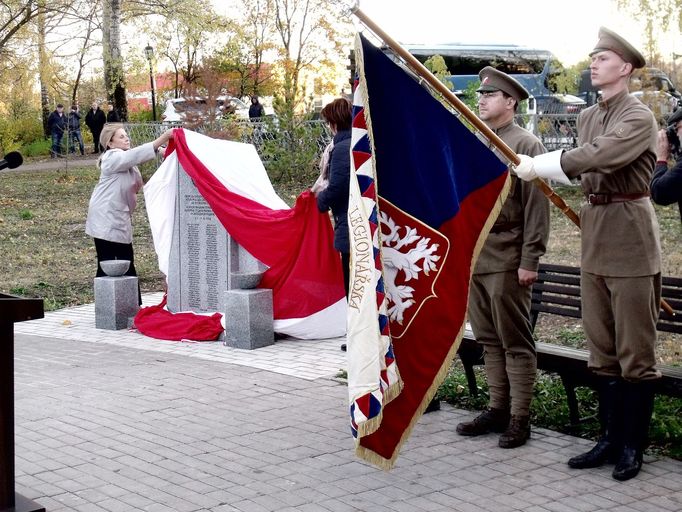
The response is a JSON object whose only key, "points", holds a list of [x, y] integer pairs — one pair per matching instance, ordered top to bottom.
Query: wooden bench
{"points": [[557, 292]]}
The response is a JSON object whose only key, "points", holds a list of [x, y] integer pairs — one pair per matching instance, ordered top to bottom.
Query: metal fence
{"points": [[556, 131]]}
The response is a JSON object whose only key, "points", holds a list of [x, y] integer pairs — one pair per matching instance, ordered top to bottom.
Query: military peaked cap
{"points": [[609, 40], [494, 80]]}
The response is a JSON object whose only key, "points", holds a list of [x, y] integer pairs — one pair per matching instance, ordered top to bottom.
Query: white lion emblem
{"points": [[397, 257]]}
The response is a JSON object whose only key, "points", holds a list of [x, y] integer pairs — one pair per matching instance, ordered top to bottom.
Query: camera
{"points": [[673, 140]]}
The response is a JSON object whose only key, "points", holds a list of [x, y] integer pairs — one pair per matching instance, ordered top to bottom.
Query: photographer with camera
{"points": [[666, 185]]}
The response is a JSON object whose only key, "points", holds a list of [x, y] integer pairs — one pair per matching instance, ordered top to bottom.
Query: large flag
{"points": [[426, 193], [295, 243]]}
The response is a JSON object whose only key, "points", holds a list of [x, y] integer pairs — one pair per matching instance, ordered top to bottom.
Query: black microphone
{"points": [[13, 159]]}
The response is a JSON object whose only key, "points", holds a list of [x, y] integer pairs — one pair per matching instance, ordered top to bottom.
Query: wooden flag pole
{"points": [[424, 73], [459, 105]]}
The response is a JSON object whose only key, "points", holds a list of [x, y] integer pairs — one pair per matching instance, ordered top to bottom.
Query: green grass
{"points": [[42, 231]]}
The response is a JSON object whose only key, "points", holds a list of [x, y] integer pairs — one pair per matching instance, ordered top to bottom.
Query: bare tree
{"points": [[307, 37], [114, 80]]}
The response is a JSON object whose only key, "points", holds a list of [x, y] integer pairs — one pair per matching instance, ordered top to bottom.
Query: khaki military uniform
{"points": [[621, 254], [498, 306]]}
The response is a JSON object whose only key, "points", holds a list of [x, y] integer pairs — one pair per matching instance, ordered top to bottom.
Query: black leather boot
{"points": [[638, 406], [491, 420], [608, 445]]}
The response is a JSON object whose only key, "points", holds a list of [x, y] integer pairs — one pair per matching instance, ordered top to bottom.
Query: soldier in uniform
{"points": [[621, 256], [499, 299]]}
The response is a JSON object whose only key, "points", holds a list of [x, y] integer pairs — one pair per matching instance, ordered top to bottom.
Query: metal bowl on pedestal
{"points": [[115, 268]]}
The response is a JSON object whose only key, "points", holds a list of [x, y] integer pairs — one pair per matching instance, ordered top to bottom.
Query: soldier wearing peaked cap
{"points": [[621, 257], [500, 293]]}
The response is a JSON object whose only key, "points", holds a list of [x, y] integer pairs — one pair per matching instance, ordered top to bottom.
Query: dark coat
{"points": [[256, 110], [113, 117], [95, 120], [74, 121], [56, 123], [666, 185], [335, 196]]}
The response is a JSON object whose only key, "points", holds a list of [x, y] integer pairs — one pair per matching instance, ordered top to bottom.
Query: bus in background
{"points": [[532, 67]]}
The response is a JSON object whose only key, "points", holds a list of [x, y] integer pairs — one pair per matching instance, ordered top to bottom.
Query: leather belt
{"points": [[595, 199], [504, 226]]}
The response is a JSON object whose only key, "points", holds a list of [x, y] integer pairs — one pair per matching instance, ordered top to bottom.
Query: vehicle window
{"points": [[471, 61]]}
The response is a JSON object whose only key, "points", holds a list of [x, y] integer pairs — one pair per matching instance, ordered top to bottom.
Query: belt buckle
{"points": [[594, 199]]}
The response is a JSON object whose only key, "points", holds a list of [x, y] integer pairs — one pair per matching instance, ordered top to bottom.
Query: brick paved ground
{"points": [[114, 421]]}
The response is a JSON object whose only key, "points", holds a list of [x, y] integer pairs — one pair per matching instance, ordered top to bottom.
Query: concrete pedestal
{"points": [[115, 302], [248, 318]]}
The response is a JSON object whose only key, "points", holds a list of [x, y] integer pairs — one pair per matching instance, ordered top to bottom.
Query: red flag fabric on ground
{"points": [[157, 322]]}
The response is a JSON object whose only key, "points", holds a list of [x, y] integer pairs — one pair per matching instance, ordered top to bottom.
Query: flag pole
{"points": [[456, 103], [459, 105]]}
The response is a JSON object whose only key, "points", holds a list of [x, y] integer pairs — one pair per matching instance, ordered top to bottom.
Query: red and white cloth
{"points": [[296, 244]]}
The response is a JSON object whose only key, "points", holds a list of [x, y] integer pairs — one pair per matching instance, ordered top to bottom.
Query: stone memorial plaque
{"points": [[203, 255]]}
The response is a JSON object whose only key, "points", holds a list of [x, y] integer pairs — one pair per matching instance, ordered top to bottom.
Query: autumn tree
{"points": [[660, 17], [184, 37], [307, 37]]}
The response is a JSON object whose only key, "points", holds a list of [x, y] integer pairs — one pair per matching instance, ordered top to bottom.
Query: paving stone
{"points": [[117, 421]]}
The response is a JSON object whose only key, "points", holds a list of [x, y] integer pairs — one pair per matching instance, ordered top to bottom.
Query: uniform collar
{"points": [[613, 101], [504, 127]]}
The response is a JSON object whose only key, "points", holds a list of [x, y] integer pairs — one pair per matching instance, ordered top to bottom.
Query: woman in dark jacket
{"points": [[338, 115]]}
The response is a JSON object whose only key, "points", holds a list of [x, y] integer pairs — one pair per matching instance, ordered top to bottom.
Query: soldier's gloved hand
{"points": [[546, 165], [525, 170]]}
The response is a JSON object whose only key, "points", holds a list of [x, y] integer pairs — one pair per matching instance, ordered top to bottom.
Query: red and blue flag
{"points": [[425, 194]]}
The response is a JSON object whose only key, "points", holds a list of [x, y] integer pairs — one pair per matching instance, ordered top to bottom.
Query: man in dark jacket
{"points": [[256, 110], [112, 115], [95, 119], [56, 124], [74, 124], [666, 185]]}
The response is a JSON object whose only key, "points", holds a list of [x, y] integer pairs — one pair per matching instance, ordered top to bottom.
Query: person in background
{"points": [[256, 110], [112, 115], [339, 115], [95, 120], [74, 124], [56, 125], [666, 184], [114, 199], [507, 267], [620, 275]]}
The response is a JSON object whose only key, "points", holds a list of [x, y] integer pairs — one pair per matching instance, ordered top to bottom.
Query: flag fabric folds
{"points": [[425, 195], [296, 244]]}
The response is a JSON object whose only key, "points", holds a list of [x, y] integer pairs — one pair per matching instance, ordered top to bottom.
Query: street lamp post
{"points": [[149, 53]]}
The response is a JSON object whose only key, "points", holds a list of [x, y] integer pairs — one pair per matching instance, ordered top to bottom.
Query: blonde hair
{"points": [[107, 134]]}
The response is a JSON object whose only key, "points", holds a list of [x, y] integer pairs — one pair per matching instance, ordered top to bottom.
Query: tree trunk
{"points": [[113, 62], [43, 74]]}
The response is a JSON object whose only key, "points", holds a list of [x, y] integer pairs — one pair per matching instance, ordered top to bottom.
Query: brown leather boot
{"points": [[491, 420], [517, 433]]}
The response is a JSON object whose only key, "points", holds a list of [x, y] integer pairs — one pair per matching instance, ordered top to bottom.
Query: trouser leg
{"points": [[619, 318], [521, 371], [496, 375]]}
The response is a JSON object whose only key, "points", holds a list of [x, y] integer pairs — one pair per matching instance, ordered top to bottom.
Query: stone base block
{"points": [[115, 302], [248, 318]]}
